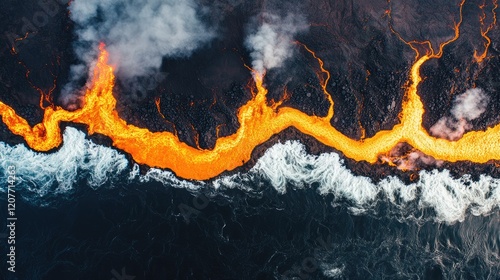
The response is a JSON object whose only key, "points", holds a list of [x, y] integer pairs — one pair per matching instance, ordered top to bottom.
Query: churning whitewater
{"points": [[285, 167]]}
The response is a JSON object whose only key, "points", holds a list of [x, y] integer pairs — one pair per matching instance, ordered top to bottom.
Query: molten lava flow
{"points": [[484, 31], [323, 82], [157, 102], [258, 122]]}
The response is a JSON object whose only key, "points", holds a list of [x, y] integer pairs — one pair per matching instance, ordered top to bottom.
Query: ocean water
{"points": [[86, 212]]}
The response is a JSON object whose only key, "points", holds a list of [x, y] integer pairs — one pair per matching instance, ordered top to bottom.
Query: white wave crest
{"points": [[289, 164], [284, 166], [55, 173], [165, 177]]}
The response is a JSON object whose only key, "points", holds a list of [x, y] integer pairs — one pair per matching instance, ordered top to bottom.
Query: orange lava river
{"points": [[258, 122]]}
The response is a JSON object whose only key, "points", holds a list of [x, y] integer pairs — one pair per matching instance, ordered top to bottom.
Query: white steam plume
{"points": [[138, 34], [271, 43], [466, 107], [410, 160]]}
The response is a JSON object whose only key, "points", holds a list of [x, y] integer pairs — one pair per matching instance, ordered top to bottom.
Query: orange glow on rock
{"points": [[479, 57]]}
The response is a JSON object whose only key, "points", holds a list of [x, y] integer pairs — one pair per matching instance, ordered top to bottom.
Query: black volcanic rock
{"points": [[200, 95]]}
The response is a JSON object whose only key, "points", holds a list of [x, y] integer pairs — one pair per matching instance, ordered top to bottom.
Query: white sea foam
{"points": [[289, 164], [285, 166], [57, 172], [165, 177], [332, 271]]}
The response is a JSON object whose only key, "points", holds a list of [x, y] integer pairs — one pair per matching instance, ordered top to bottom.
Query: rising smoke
{"points": [[138, 34], [271, 42], [467, 106], [407, 158]]}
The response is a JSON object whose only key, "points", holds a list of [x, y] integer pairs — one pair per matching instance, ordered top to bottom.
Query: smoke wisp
{"points": [[138, 34], [271, 43], [467, 106], [409, 159]]}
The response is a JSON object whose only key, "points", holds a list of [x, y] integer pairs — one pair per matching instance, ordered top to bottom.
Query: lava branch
{"points": [[484, 31], [427, 45], [323, 81], [45, 97], [158, 108], [413, 108]]}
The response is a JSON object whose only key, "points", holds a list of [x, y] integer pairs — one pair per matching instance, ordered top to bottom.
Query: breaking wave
{"points": [[288, 164], [285, 166], [46, 174]]}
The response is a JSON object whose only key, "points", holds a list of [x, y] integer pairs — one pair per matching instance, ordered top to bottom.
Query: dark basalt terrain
{"points": [[197, 96]]}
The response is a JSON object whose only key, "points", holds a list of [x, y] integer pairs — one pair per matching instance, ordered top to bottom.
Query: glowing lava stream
{"points": [[258, 122], [164, 150]]}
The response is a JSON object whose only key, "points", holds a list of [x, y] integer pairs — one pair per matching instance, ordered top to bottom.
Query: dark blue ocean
{"points": [[156, 231]]}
